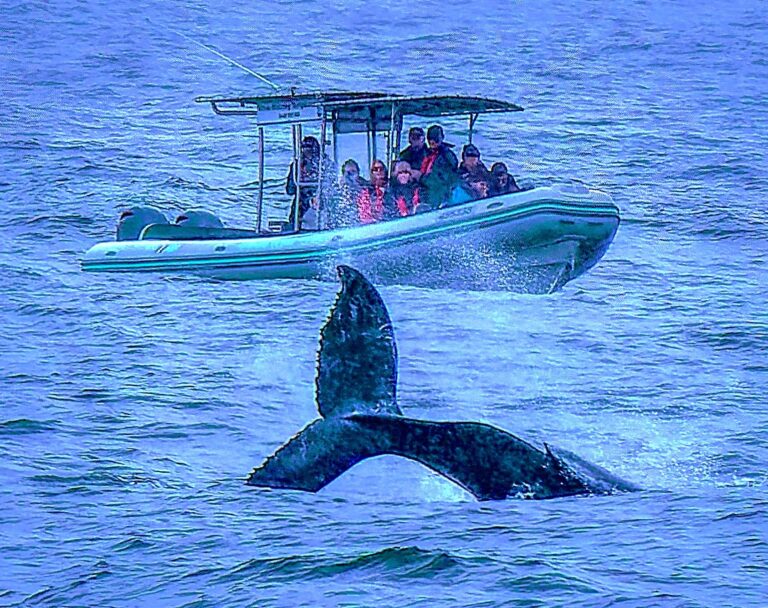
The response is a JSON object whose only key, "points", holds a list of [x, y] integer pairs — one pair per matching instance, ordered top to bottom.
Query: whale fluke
{"points": [[357, 358], [356, 397], [315, 456]]}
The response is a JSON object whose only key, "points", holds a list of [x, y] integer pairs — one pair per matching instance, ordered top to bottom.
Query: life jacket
{"points": [[429, 160], [406, 200], [370, 204]]}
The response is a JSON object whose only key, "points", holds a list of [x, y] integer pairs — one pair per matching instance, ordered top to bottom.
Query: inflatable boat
{"points": [[534, 240]]}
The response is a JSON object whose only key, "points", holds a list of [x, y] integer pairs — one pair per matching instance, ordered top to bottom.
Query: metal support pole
{"points": [[472, 119], [296, 130], [373, 135], [399, 135], [334, 136], [391, 151], [370, 153], [320, 169], [261, 179]]}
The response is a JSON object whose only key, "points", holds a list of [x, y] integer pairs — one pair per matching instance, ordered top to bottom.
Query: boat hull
{"points": [[533, 241]]}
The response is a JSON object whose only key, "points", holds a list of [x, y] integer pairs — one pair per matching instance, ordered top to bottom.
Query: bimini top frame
{"points": [[352, 111], [348, 112]]}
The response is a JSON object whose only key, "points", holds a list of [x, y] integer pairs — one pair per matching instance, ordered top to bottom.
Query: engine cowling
{"points": [[199, 218], [133, 220]]}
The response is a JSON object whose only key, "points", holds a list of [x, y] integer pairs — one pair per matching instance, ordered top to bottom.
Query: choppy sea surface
{"points": [[133, 407]]}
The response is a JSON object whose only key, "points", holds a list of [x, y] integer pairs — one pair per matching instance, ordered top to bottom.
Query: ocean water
{"points": [[133, 407]]}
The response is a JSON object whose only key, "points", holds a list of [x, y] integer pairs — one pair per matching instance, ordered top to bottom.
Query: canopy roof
{"points": [[354, 111]]}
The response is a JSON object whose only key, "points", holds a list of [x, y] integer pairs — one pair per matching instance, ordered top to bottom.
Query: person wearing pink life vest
{"points": [[403, 192], [371, 200]]}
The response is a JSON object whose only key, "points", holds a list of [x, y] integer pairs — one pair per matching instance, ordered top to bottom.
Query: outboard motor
{"points": [[198, 218], [132, 221]]}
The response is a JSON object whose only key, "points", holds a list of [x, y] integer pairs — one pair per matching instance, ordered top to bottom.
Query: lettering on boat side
{"points": [[455, 213]]}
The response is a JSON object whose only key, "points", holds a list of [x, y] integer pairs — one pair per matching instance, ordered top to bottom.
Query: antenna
{"points": [[223, 56]]}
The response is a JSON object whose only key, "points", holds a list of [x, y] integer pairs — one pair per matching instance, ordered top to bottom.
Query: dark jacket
{"points": [[414, 157], [480, 172], [307, 175], [439, 176], [308, 179], [495, 188]]}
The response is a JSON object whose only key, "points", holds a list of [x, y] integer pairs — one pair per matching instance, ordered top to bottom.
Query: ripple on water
{"points": [[23, 426], [395, 562]]}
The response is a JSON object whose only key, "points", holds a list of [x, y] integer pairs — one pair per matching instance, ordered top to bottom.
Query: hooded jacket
{"points": [[439, 175]]}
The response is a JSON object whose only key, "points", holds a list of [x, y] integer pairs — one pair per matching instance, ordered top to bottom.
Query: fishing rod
{"points": [[264, 79]]}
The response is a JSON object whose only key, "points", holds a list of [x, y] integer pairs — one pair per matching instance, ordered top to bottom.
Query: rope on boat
{"points": [[229, 59]]}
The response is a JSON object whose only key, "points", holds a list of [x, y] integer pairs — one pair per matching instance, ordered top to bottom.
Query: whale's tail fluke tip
{"points": [[357, 358]]}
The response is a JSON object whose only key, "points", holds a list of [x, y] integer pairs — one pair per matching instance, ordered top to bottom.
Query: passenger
{"points": [[415, 152], [471, 167], [439, 171], [308, 173], [350, 176], [308, 177], [501, 181], [351, 184], [478, 186], [473, 188], [403, 195], [371, 200]]}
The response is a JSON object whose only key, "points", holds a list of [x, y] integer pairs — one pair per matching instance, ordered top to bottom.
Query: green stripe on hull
{"points": [[374, 243]]}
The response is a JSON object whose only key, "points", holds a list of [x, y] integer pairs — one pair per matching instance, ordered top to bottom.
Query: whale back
{"points": [[357, 357]]}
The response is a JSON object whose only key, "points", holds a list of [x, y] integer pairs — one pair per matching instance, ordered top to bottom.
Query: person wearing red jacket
{"points": [[371, 200]]}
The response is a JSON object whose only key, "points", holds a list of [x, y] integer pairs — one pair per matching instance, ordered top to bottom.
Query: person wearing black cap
{"points": [[415, 152], [471, 167], [439, 174], [308, 177], [501, 181]]}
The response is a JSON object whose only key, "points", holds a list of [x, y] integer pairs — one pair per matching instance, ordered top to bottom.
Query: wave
{"points": [[179, 182], [71, 219], [25, 426], [408, 562]]}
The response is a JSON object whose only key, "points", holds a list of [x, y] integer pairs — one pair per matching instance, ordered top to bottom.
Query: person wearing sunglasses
{"points": [[371, 200]]}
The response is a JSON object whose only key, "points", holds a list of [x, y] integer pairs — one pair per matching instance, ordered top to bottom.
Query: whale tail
{"points": [[357, 358], [356, 373], [356, 397], [315, 456], [486, 461]]}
